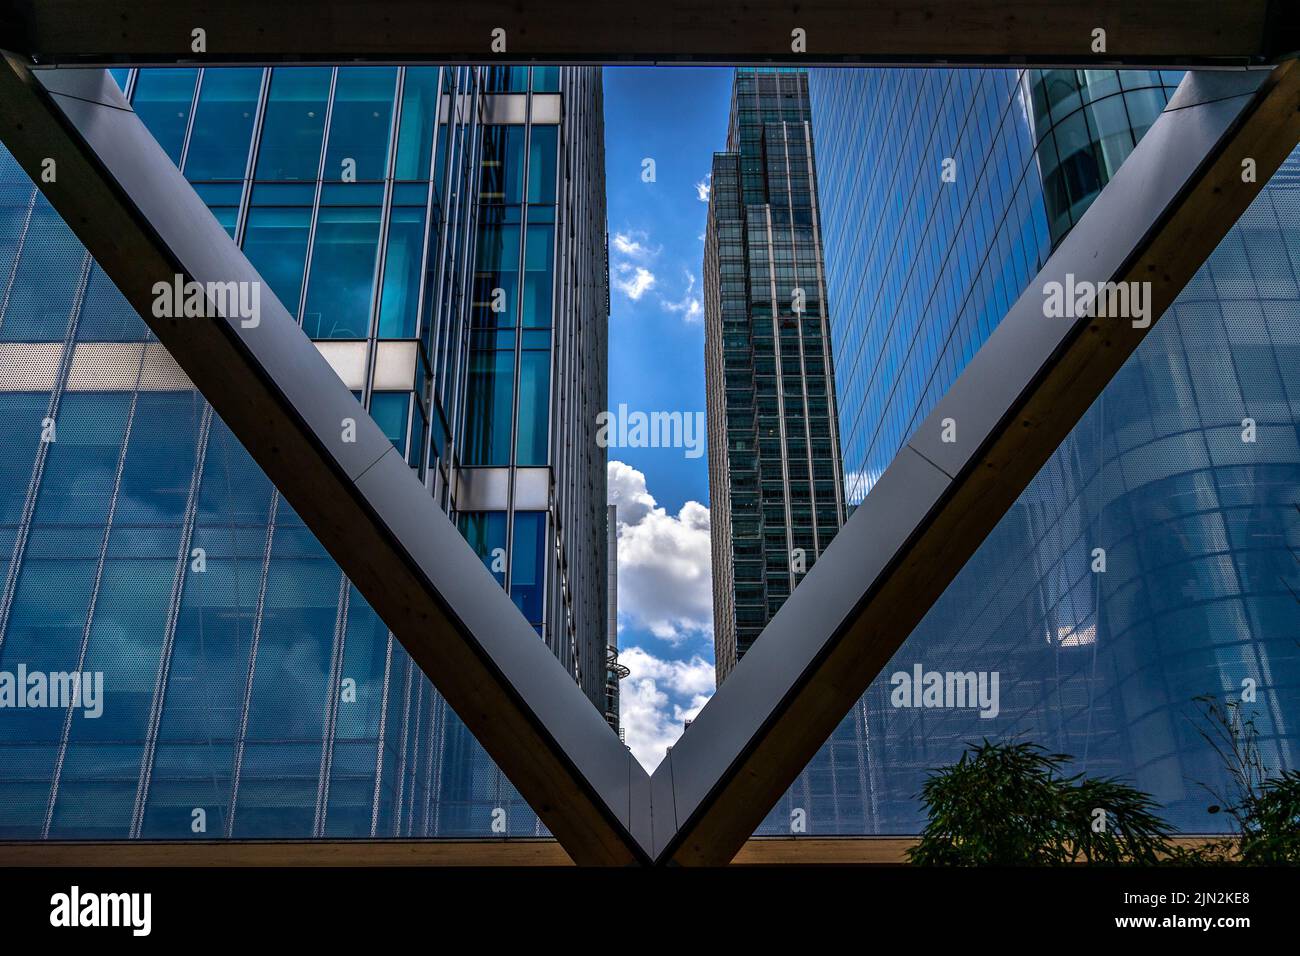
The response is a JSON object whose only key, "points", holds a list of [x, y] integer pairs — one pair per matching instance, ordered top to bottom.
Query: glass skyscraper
{"points": [[943, 193], [440, 234], [774, 463]]}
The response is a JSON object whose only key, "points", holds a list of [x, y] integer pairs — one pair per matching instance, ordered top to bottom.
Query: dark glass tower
{"points": [[440, 234], [774, 464], [1198, 523]]}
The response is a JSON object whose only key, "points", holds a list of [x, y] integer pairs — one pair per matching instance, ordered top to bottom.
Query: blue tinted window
{"points": [[505, 79], [546, 79], [162, 100], [418, 122], [223, 124], [294, 124], [359, 125], [542, 154], [502, 162], [227, 217], [276, 244], [538, 259], [496, 268], [342, 281], [45, 284], [401, 288], [488, 407], [534, 407], [389, 410], [19, 443], [486, 533], [527, 564], [357, 723], [281, 763]]}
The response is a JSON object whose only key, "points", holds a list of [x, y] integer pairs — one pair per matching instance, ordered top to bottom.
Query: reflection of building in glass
{"points": [[441, 233], [774, 475], [1195, 523]]}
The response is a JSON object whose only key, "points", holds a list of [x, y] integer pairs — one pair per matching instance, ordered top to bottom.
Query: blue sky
{"points": [[677, 117]]}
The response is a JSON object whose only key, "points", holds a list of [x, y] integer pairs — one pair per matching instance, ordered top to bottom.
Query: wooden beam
{"points": [[1182, 33], [757, 851]]}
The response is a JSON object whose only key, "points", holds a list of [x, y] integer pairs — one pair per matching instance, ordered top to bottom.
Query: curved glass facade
{"points": [[1086, 122], [1152, 559], [247, 688]]}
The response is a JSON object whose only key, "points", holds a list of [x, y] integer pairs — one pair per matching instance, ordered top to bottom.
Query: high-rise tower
{"points": [[775, 490]]}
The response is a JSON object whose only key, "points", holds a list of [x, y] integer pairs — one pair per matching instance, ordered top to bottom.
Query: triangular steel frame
{"points": [[1162, 214]]}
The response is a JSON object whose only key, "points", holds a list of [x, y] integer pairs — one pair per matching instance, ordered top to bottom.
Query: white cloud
{"points": [[703, 187], [635, 244], [630, 255], [633, 281], [688, 306], [664, 572], [657, 699]]}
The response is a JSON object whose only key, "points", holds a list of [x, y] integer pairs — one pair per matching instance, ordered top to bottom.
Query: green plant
{"points": [[1235, 739], [1011, 804], [1265, 809], [1272, 834]]}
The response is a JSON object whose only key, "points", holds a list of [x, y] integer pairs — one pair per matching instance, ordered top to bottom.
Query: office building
{"points": [[440, 234], [775, 491], [1151, 560]]}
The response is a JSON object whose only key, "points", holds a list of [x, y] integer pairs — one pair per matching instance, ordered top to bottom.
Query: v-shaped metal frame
{"points": [[1161, 215]]}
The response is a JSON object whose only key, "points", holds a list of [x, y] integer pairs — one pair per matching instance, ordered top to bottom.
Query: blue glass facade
{"points": [[1196, 522], [247, 688]]}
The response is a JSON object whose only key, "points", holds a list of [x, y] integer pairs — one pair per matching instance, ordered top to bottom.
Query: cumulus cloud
{"points": [[702, 188], [633, 244], [630, 256], [633, 281], [688, 306], [664, 572], [657, 699]]}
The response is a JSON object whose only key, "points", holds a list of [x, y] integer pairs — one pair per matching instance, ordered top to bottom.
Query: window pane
{"points": [[505, 79], [546, 79], [162, 101], [419, 118], [223, 124], [294, 124], [359, 125], [541, 164], [503, 165], [227, 216], [276, 245], [496, 268], [402, 273], [537, 276], [342, 281], [43, 286], [401, 290], [106, 316], [488, 406], [534, 407], [388, 409], [486, 533], [526, 563]]}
